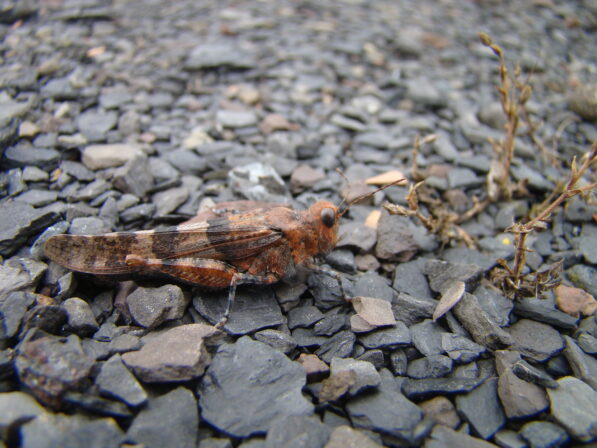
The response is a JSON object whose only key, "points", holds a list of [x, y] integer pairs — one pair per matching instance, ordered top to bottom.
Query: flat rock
{"points": [[219, 54], [236, 119], [95, 124], [20, 156], [99, 157], [134, 177], [19, 222], [355, 235], [395, 239], [442, 273], [409, 278], [371, 284], [497, 306], [150, 307], [254, 308], [411, 310], [12, 311], [544, 311], [371, 313], [80, 316], [304, 316], [478, 323], [393, 337], [427, 337], [276, 339], [535, 340], [340, 345], [460, 348], [178, 354], [50, 366], [433, 366], [584, 366], [315, 368], [365, 375], [115, 380], [421, 388], [241, 393], [574, 406], [17, 407], [481, 408], [385, 410], [441, 410], [171, 419], [297, 430], [74, 431], [544, 435], [344, 436], [444, 437]]}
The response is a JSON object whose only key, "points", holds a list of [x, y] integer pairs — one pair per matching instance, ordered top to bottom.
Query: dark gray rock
{"points": [[219, 54], [236, 119], [95, 124], [21, 156], [187, 162], [134, 177], [463, 178], [258, 182], [38, 198], [141, 212], [20, 221], [88, 226], [356, 236], [395, 238], [37, 249], [342, 260], [442, 273], [584, 277], [409, 278], [371, 284], [325, 290], [497, 306], [150, 307], [254, 308], [411, 310], [12, 311], [544, 311], [303, 316], [80, 317], [48, 318], [478, 323], [330, 324], [396, 336], [306, 337], [427, 337], [277, 339], [535, 340], [125, 343], [588, 343], [338, 346], [460, 348], [178, 354], [375, 357], [398, 362], [50, 365], [432, 366], [584, 366], [532, 374], [365, 375], [115, 380], [415, 389], [241, 394], [89, 403], [574, 406], [17, 408], [482, 409], [385, 410], [171, 419], [73, 431], [297, 431], [544, 435], [444, 437], [506, 438]]}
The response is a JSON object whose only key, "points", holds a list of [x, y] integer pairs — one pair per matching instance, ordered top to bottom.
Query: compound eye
{"points": [[328, 217]]}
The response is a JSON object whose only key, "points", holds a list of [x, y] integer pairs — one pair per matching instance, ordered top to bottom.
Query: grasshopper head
{"points": [[325, 218]]}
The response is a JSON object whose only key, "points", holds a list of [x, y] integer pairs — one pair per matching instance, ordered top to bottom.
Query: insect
{"points": [[256, 246]]}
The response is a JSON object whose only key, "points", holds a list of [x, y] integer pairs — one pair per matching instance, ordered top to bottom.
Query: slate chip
{"points": [[20, 221], [151, 307], [396, 336], [535, 340], [340, 345], [115, 380], [247, 385], [482, 409], [297, 430]]}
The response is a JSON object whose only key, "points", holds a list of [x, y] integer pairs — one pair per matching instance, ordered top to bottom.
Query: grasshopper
{"points": [[257, 246]]}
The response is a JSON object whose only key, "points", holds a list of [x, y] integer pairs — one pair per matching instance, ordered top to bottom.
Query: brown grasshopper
{"points": [[256, 246]]}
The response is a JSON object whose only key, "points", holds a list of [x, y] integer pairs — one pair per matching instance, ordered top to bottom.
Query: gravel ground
{"points": [[130, 115]]}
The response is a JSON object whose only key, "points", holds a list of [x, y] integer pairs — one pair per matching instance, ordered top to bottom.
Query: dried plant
{"points": [[511, 278]]}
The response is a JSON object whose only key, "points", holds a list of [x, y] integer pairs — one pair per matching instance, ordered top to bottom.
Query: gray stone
{"points": [[219, 54], [236, 119], [95, 124], [21, 156], [134, 177], [463, 178], [258, 182], [38, 198], [169, 200], [19, 222], [357, 236], [395, 238], [442, 273], [584, 277], [409, 278], [371, 284], [497, 306], [150, 307], [254, 308], [411, 310], [12, 311], [544, 311], [303, 316], [80, 317], [478, 323], [330, 324], [396, 336], [427, 337], [276, 339], [535, 340], [125, 343], [588, 343], [340, 345], [460, 348], [178, 354], [398, 362], [51, 365], [432, 366], [584, 366], [365, 375], [115, 380], [421, 388], [241, 394], [574, 406], [17, 408], [482, 409], [385, 410], [171, 419], [74, 431], [297, 431], [544, 435], [344, 436], [444, 437], [506, 438]]}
